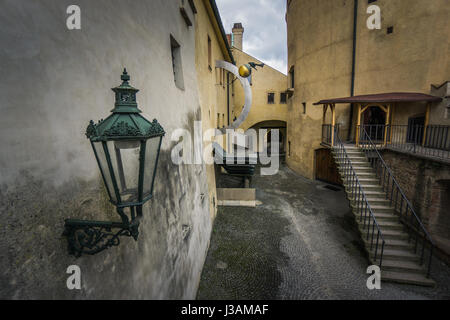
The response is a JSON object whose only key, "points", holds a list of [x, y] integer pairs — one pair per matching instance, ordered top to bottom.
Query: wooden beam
{"points": [[325, 108], [384, 108], [364, 109], [388, 114], [392, 121], [333, 122], [358, 124]]}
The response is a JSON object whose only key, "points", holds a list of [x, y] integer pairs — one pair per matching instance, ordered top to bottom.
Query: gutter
{"points": [[222, 30], [352, 86]]}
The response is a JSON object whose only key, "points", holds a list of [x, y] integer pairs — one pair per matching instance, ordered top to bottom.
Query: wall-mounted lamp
{"points": [[126, 146]]}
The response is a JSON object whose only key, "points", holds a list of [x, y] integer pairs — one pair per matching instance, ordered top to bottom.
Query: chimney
{"points": [[238, 32], [229, 39]]}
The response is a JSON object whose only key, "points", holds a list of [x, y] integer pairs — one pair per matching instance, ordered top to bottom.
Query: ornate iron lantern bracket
{"points": [[126, 146]]}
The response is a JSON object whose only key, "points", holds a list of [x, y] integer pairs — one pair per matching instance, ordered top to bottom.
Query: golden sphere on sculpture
{"points": [[245, 71]]}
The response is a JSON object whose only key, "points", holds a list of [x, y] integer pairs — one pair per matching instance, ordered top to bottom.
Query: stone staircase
{"points": [[400, 263]]}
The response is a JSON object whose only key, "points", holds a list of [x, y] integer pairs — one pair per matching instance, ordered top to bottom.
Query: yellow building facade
{"points": [[328, 57], [214, 84], [268, 85]]}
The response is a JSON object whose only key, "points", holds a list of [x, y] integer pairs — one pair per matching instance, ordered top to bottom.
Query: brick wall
{"points": [[426, 184]]}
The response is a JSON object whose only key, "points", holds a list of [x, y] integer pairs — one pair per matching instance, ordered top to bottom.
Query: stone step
{"points": [[355, 152], [355, 158], [354, 163], [363, 169], [365, 174], [360, 175], [368, 182], [366, 188], [374, 194], [373, 200], [382, 209], [379, 216], [383, 224], [389, 234], [392, 244], [396, 254], [402, 266], [407, 278]]}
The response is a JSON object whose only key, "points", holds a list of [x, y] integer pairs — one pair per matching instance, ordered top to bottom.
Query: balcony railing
{"points": [[328, 133], [432, 140]]}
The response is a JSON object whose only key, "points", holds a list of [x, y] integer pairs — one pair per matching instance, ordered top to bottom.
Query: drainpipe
{"points": [[352, 87], [228, 97]]}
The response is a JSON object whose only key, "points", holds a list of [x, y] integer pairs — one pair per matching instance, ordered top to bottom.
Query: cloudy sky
{"points": [[265, 28]]}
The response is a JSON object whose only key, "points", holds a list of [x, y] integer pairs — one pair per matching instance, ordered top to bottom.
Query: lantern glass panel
{"points": [[151, 154], [125, 161], [103, 164]]}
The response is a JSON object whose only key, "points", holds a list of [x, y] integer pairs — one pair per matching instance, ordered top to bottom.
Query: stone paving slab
{"points": [[300, 242]]}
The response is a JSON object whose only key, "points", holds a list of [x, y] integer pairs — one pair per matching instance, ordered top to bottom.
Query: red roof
{"points": [[384, 97]]}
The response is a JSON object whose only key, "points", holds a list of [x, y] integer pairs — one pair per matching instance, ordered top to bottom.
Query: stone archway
{"points": [[268, 126]]}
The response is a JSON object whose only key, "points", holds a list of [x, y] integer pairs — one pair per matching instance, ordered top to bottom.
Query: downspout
{"points": [[352, 87], [228, 97]]}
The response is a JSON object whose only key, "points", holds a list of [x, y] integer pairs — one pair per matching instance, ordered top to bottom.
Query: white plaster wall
{"points": [[53, 82]]}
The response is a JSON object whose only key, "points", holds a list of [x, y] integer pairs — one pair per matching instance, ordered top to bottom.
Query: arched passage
{"points": [[266, 128]]}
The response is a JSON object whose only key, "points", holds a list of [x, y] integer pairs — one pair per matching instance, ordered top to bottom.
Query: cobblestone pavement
{"points": [[301, 242]]}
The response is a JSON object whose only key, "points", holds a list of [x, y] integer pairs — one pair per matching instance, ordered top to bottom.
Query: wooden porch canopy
{"points": [[384, 101]]}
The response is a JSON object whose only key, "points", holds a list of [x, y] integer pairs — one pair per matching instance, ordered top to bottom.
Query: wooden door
{"points": [[326, 169]]}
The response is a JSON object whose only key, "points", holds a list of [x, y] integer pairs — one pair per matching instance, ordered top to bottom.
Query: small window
{"points": [[371, 1], [390, 30], [175, 49], [209, 54], [283, 97], [271, 98], [304, 107], [218, 120], [223, 120], [289, 148]]}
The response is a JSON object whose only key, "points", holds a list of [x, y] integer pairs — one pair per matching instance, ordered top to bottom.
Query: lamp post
{"points": [[126, 147]]}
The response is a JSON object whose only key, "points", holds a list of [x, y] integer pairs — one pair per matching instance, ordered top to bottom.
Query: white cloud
{"points": [[265, 28]]}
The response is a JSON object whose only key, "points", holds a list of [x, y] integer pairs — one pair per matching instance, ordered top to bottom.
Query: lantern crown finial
{"points": [[125, 77], [125, 121]]}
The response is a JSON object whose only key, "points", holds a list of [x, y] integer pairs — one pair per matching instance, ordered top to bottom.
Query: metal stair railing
{"points": [[397, 199], [362, 206]]}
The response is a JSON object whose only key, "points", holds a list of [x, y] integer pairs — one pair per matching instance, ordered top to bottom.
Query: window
{"points": [[370, 1], [390, 30], [175, 49], [209, 54], [292, 77], [283, 97], [271, 98], [304, 107], [218, 120], [223, 120], [289, 148]]}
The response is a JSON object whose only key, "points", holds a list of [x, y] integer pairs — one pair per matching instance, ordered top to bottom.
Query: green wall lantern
{"points": [[126, 146]]}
